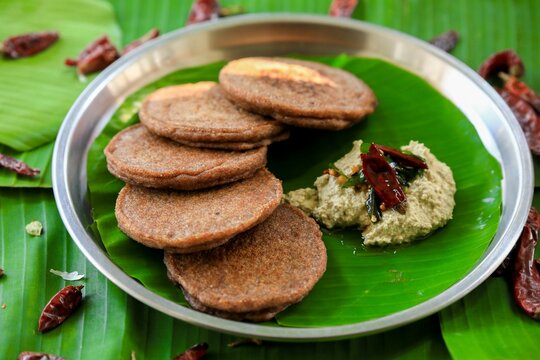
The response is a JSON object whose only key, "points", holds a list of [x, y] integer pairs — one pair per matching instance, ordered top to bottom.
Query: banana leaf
{"points": [[170, 15], [38, 91], [39, 157], [360, 283], [487, 323], [112, 325]]}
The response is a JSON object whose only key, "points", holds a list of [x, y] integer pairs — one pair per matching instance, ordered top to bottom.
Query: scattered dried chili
{"points": [[342, 8], [203, 10], [152, 34], [446, 41], [28, 44], [97, 56], [506, 61], [519, 88], [527, 118], [17, 166], [383, 179], [507, 264], [1, 272], [526, 275], [60, 307], [242, 342], [196, 352], [29, 355]]}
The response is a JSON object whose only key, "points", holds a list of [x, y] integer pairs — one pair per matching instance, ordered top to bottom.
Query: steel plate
{"points": [[280, 34]]}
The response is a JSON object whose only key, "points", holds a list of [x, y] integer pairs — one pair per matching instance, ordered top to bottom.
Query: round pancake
{"points": [[296, 88], [200, 112], [315, 123], [239, 146], [139, 157], [186, 221], [257, 273]]}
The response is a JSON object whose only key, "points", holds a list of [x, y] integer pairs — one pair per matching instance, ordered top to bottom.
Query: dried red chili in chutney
{"points": [[28, 44], [382, 178], [526, 275], [60, 307]]}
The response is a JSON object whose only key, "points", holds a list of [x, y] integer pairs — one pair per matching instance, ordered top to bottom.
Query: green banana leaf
{"points": [[170, 15], [484, 26], [38, 91], [39, 157], [364, 283], [487, 324], [111, 325]]}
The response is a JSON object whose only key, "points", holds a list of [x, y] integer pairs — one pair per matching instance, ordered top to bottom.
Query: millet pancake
{"points": [[318, 95], [192, 113], [139, 157], [187, 221], [257, 273]]}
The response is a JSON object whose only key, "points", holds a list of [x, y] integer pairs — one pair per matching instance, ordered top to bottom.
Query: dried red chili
{"points": [[342, 8], [203, 10], [152, 34], [446, 41], [28, 44], [97, 56], [506, 61], [519, 88], [527, 118], [402, 158], [17, 166], [382, 178], [1, 272], [526, 275], [60, 307], [242, 342], [196, 352], [30, 355]]}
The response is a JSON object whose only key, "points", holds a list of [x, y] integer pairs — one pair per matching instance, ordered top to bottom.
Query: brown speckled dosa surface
{"points": [[286, 89], [201, 113], [139, 157], [186, 221], [257, 273]]}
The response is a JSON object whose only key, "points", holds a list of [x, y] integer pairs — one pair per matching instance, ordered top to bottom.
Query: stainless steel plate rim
{"points": [[70, 189]]}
